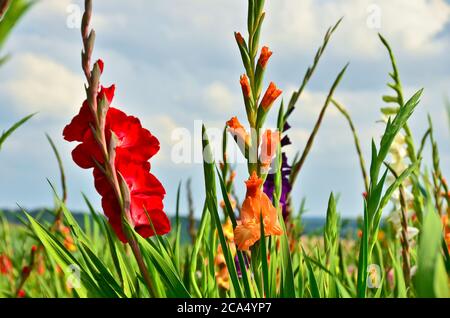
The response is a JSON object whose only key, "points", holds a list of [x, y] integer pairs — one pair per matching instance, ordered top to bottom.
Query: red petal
{"points": [[100, 65], [77, 128], [84, 153]]}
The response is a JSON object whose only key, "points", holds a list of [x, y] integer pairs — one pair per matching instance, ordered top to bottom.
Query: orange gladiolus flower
{"points": [[264, 57], [246, 90], [270, 96], [238, 131], [269, 145], [232, 202], [256, 203], [68, 240], [222, 276]]}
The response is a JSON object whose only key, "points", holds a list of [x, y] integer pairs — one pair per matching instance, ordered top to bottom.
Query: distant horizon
{"points": [[169, 213]]}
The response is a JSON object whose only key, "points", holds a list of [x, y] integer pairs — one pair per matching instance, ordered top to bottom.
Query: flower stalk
{"points": [[99, 108]]}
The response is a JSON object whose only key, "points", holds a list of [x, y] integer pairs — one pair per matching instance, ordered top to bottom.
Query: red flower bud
{"points": [[264, 57], [100, 65], [270, 96], [33, 249], [26, 270], [21, 294]]}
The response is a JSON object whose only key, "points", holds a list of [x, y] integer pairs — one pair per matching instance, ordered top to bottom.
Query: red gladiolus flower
{"points": [[80, 124], [134, 146], [146, 195], [6, 266]]}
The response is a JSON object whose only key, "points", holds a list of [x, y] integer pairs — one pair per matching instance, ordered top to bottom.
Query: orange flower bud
{"points": [[239, 38], [264, 57], [246, 90], [270, 96], [238, 131], [269, 145]]}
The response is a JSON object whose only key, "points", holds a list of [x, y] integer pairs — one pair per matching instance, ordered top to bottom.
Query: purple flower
{"points": [[269, 185], [238, 266]]}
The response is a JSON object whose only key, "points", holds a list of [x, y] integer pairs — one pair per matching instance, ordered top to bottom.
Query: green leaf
{"points": [[16, 10], [392, 129], [8, 132], [211, 201], [195, 251], [263, 254], [164, 267], [431, 279], [88, 287], [314, 288]]}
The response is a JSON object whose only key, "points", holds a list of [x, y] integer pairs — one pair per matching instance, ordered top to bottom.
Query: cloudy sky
{"points": [[175, 63]]}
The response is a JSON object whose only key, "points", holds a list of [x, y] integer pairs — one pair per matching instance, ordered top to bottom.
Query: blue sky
{"points": [[175, 62]]}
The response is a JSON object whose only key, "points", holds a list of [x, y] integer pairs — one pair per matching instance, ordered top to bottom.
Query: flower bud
{"points": [[239, 38], [243, 49], [264, 57], [100, 65], [245, 85], [270, 96], [239, 133], [269, 146], [26, 271]]}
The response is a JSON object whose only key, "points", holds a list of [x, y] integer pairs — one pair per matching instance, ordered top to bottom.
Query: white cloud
{"points": [[411, 24], [42, 85], [217, 96], [161, 126]]}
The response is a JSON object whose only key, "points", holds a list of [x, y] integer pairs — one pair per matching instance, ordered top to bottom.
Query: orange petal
{"points": [[245, 235]]}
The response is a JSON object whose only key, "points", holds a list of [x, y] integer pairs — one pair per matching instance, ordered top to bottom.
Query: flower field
{"points": [[254, 247]]}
